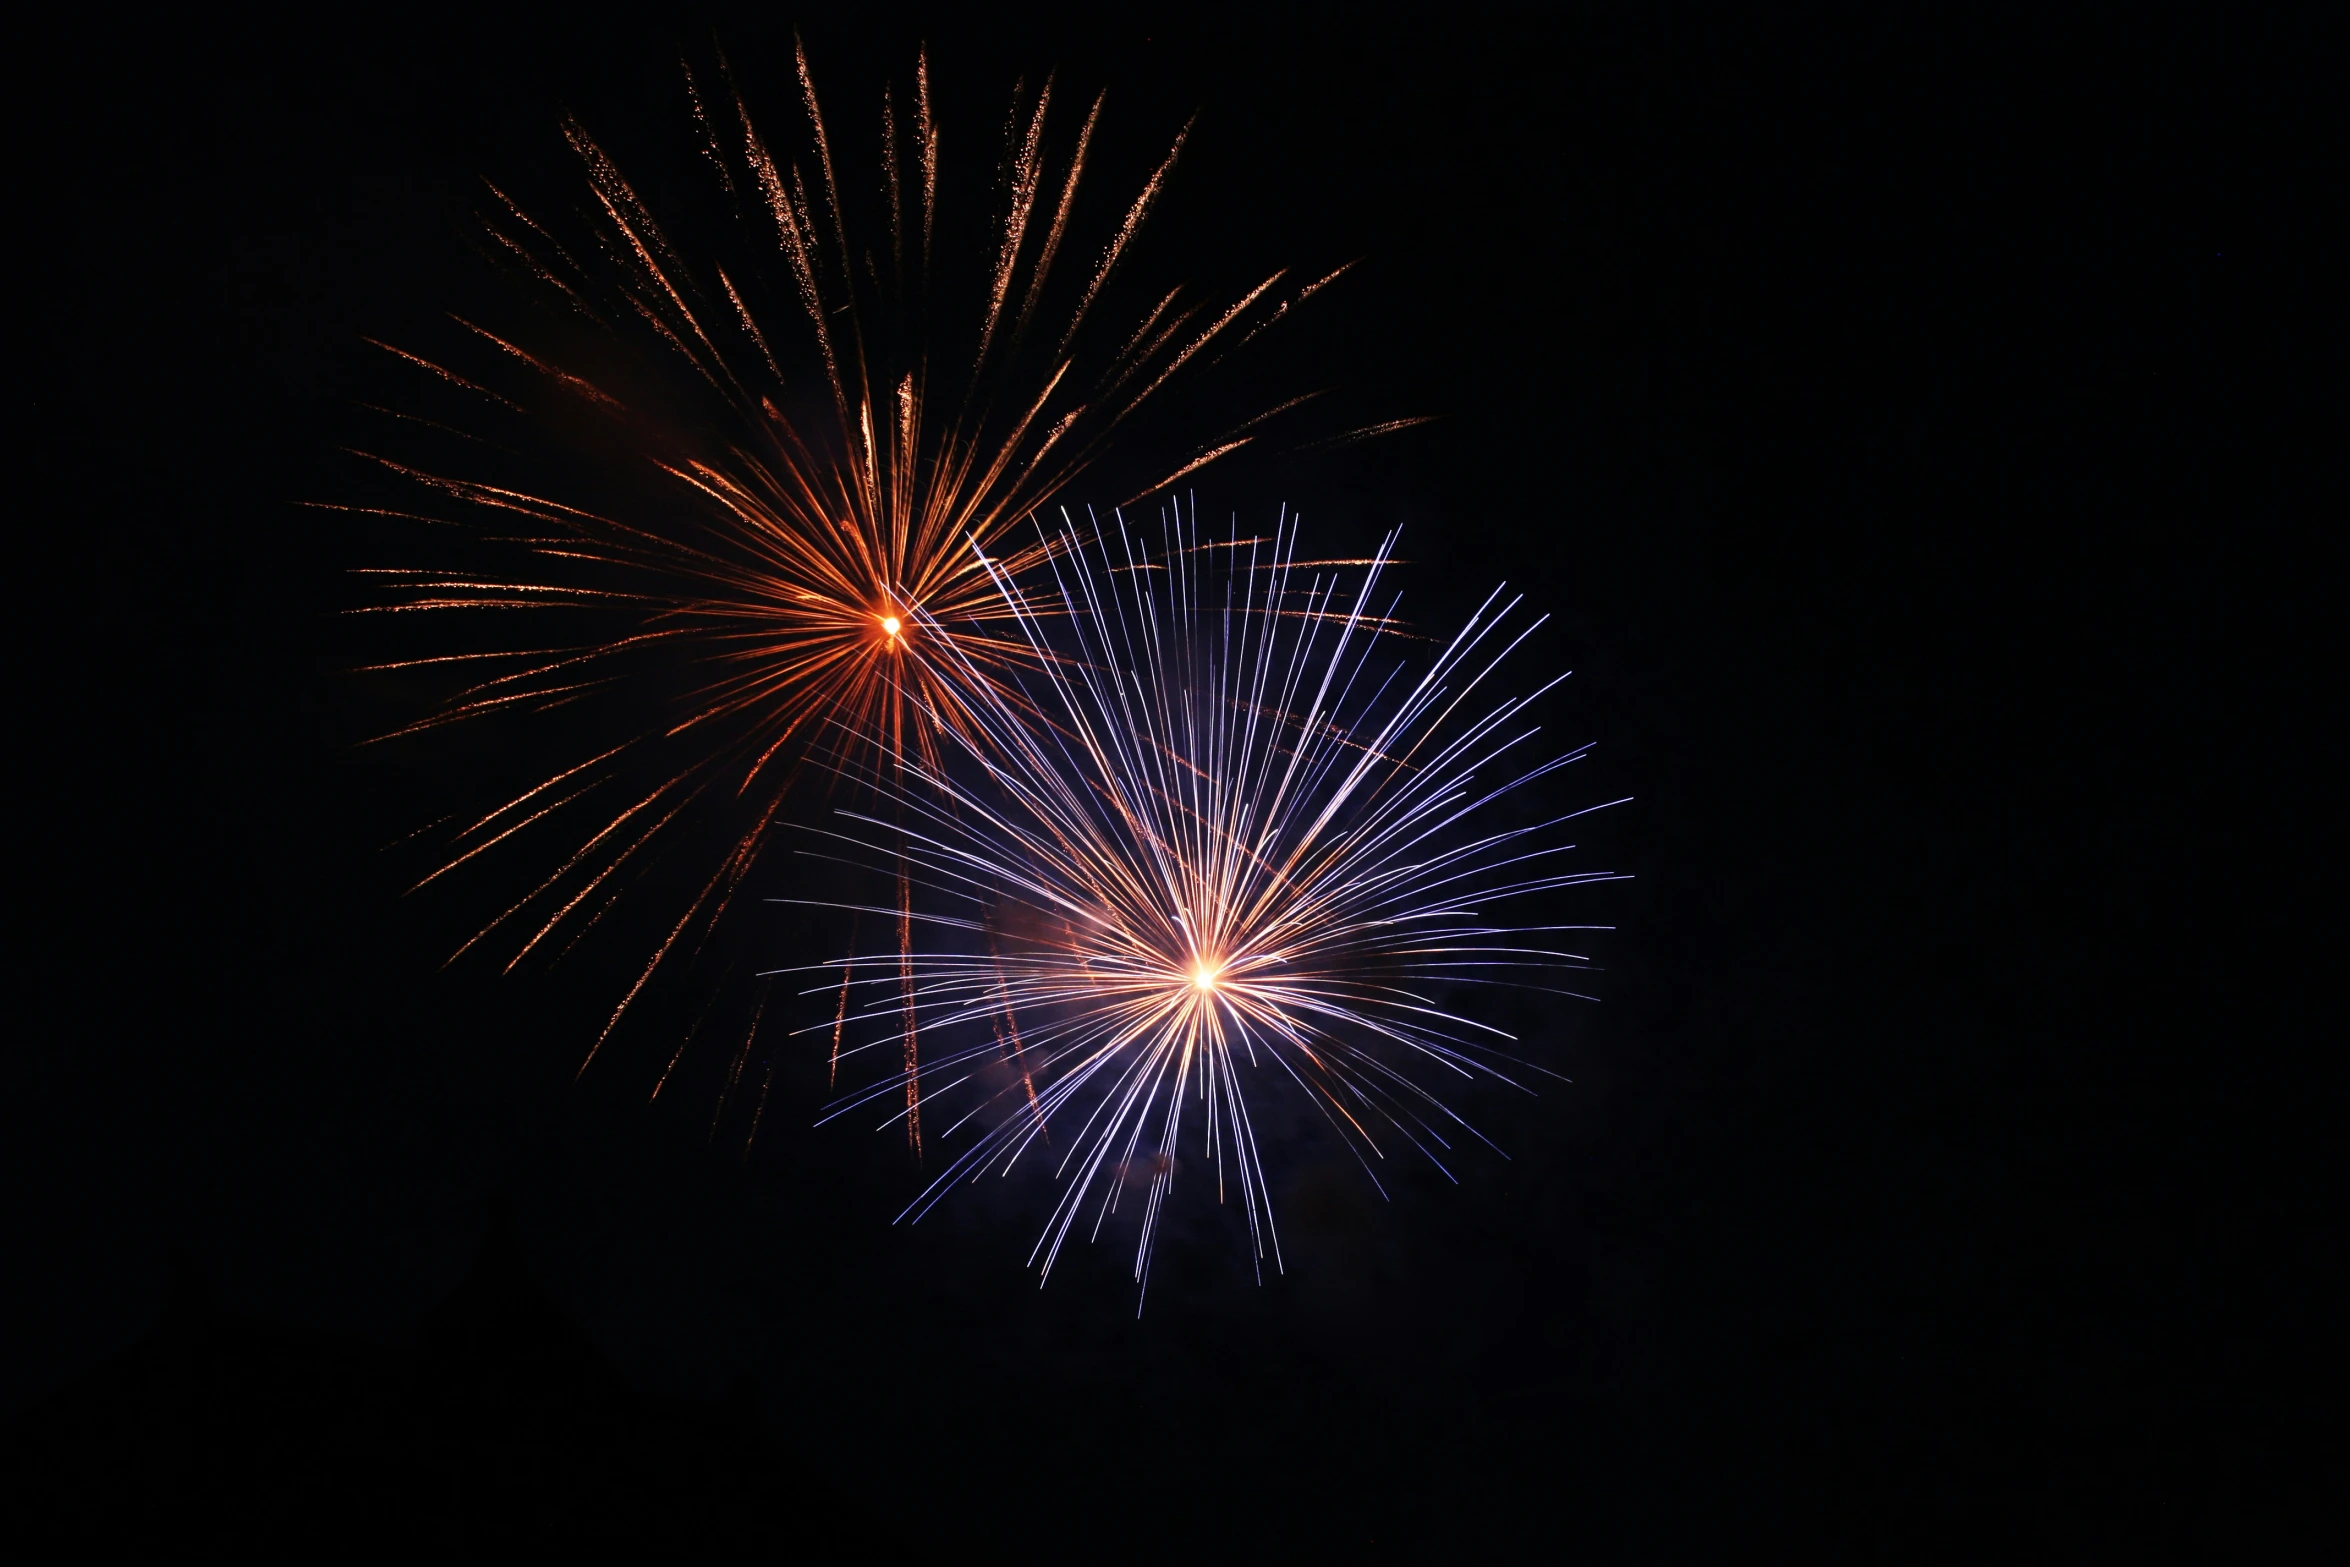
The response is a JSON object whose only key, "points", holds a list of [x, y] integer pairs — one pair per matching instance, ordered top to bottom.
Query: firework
{"points": [[719, 559], [1218, 842]]}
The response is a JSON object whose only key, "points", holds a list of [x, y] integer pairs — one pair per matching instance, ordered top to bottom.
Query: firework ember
{"points": [[1213, 840]]}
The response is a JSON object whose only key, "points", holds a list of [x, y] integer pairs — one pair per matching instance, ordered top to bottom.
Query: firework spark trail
{"points": [[776, 590], [1200, 849]]}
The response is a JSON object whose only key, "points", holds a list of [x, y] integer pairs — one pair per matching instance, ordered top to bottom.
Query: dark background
{"points": [[1867, 399]]}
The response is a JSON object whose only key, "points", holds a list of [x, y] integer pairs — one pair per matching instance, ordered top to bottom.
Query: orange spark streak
{"points": [[761, 609]]}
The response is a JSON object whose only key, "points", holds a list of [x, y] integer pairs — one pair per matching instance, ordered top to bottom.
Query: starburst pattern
{"points": [[719, 561], [1214, 840]]}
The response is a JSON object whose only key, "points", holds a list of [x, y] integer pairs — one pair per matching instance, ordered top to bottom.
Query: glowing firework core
{"points": [[891, 625], [1203, 975]]}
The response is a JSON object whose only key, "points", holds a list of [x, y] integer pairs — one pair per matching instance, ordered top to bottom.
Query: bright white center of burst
{"points": [[891, 625], [1203, 977]]}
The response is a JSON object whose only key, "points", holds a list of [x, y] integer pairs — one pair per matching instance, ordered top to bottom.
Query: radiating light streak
{"points": [[778, 583], [1213, 840]]}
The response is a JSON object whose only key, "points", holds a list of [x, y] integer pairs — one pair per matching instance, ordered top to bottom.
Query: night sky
{"points": [[1851, 395]]}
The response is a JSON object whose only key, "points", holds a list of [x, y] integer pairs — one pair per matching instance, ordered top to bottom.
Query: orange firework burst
{"points": [[728, 566]]}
